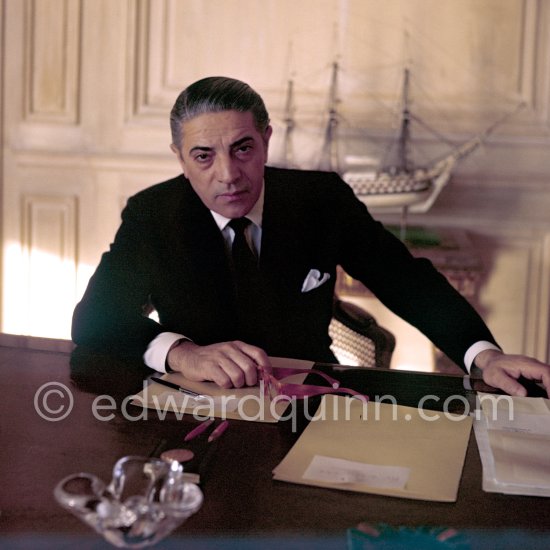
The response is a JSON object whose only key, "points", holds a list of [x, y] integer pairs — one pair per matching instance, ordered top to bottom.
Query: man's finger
{"points": [[258, 355], [238, 366], [243, 369], [219, 376], [510, 385]]}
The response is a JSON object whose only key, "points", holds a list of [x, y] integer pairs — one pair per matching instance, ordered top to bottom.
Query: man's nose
{"points": [[227, 170]]}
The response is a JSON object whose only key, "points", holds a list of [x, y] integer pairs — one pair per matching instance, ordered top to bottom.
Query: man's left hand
{"points": [[503, 371]]}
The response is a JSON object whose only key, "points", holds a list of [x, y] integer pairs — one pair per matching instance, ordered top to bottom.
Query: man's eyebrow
{"points": [[241, 141], [235, 144], [200, 148]]}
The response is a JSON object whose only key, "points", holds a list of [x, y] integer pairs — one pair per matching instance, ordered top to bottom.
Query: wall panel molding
{"points": [[52, 60], [541, 61], [151, 95], [49, 224], [50, 258]]}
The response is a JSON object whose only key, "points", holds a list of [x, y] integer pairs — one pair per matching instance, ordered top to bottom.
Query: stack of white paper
{"points": [[513, 437]]}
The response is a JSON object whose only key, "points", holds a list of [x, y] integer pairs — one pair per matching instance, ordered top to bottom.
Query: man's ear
{"points": [[267, 135], [266, 138], [175, 150], [178, 154]]}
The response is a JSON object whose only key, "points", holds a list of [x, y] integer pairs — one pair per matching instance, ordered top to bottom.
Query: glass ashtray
{"points": [[146, 500]]}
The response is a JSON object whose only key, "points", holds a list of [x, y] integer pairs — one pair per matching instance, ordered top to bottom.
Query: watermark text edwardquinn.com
{"points": [[54, 401]]}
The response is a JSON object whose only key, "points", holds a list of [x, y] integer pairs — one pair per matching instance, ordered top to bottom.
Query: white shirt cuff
{"points": [[474, 349], [157, 350]]}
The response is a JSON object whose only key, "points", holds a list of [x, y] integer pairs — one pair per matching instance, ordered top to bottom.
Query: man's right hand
{"points": [[228, 364]]}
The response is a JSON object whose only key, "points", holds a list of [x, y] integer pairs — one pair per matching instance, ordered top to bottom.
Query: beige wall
{"points": [[88, 85]]}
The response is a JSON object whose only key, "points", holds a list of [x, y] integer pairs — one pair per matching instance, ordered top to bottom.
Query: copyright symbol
{"points": [[53, 401]]}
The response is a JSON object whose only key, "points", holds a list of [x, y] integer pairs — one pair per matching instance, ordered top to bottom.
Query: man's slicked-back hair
{"points": [[213, 95]]}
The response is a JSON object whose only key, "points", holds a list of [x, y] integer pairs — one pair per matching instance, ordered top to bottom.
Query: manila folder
{"points": [[380, 448]]}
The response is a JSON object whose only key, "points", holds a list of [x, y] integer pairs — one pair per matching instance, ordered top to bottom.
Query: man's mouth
{"points": [[233, 196]]}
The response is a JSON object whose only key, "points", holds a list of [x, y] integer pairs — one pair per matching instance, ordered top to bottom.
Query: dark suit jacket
{"points": [[169, 252]]}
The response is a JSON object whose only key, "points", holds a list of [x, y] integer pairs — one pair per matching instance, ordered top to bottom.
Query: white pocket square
{"points": [[314, 279]]}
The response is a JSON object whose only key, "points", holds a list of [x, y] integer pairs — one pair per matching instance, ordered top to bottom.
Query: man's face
{"points": [[223, 155]]}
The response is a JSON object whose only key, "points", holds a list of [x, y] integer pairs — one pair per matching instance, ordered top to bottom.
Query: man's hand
{"points": [[228, 364], [503, 371]]}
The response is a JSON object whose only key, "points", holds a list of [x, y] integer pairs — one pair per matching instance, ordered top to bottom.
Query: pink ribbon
{"points": [[274, 386]]}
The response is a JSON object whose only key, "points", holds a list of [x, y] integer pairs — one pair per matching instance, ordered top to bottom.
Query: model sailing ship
{"points": [[400, 185]]}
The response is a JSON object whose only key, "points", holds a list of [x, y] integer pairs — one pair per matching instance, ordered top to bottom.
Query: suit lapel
{"points": [[284, 254]]}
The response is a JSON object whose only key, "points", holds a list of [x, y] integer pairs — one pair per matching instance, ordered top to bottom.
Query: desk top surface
{"points": [[241, 498]]}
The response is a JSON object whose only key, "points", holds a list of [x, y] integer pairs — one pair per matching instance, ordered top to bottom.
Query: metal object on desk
{"points": [[173, 386]]}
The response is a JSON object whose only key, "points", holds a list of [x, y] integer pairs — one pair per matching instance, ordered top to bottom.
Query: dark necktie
{"points": [[244, 260], [246, 276]]}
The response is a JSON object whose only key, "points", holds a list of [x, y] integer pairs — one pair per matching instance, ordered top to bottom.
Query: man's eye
{"points": [[244, 149], [202, 157]]}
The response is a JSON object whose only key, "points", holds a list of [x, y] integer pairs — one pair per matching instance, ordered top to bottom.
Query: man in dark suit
{"points": [[176, 252]]}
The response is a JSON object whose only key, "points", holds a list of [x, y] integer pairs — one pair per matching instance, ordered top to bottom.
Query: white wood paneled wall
{"points": [[88, 85]]}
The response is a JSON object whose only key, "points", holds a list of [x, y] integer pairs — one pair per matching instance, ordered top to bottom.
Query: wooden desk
{"points": [[241, 499]]}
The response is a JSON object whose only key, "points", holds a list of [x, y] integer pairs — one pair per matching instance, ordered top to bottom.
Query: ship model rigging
{"points": [[401, 184]]}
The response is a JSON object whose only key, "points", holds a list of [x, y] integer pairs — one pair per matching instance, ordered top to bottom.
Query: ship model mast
{"points": [[288, 152], [330, 157], [405, 163]]}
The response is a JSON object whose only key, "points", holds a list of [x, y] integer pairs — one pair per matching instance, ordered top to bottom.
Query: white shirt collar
{"points": [[255, 214]]}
